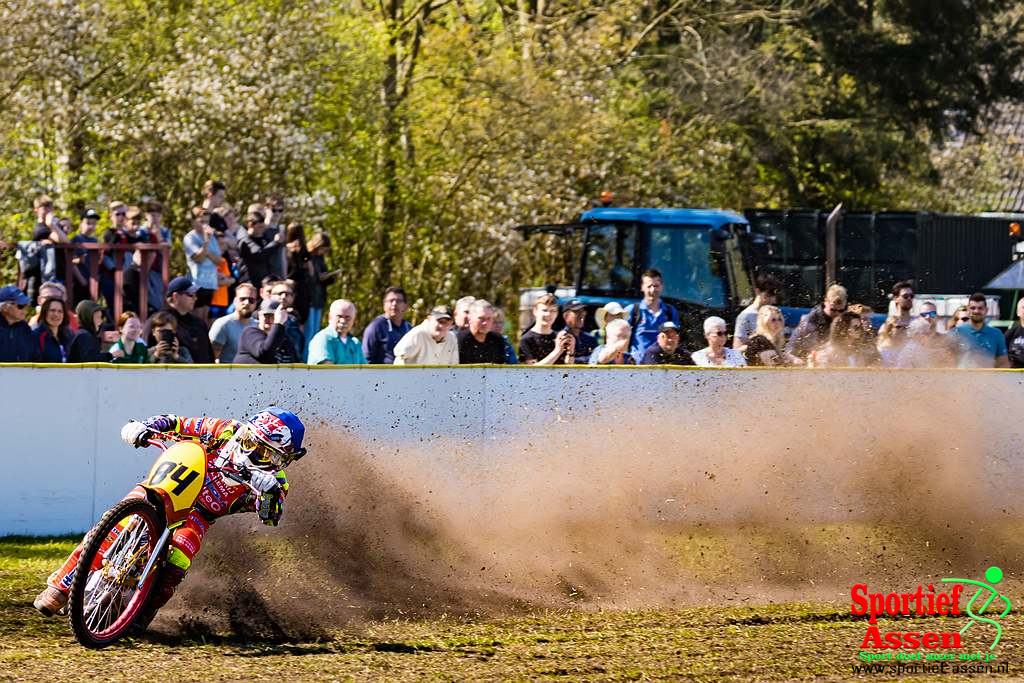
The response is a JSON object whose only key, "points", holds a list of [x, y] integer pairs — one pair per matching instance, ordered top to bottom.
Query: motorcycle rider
{"points": [[258, 448]]}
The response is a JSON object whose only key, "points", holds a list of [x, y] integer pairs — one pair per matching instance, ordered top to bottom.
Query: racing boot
{"points": [[50, 601]]}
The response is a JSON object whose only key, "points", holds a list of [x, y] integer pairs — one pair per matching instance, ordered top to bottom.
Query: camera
{"points": [[165, 336]]}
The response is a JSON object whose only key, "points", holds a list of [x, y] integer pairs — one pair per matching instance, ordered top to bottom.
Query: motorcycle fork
{"points": [[157, 551]]}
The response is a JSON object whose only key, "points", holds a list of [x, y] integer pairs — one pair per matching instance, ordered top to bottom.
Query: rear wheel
{"points": [[106, 596]]}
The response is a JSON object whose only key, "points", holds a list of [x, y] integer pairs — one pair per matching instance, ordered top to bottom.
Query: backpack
{"points": [[28, 255], [634, 319]]}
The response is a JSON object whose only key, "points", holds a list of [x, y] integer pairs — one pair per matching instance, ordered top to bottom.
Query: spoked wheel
{"points": [[106, 596]]}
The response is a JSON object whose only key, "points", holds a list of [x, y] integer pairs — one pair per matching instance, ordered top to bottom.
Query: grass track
{"points": [[776, 642]]}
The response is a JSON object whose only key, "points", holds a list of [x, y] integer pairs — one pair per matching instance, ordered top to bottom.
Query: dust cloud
{"points": [[741, 499]]}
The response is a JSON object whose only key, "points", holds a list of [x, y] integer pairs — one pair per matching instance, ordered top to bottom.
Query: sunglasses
{"points": [[247, 299], [20, 307], [928, 314], [964, 318], [716, 333]]}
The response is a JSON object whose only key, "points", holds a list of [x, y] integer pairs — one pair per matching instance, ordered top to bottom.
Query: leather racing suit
{"points": [[220, 496]]}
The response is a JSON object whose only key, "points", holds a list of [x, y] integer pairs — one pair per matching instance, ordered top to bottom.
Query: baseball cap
{"points": [[91, 213], [181, 284], [12, 295], [269, 305], [574, 305], [441, 312], [668, 326]]}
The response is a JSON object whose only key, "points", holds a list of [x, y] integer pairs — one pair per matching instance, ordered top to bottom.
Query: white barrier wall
{"points": [[64, 463]]}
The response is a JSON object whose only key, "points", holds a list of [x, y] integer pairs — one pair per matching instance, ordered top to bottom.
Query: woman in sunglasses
{"points": [[959, 317], [17, 343], [767, 346], [716, 353]]}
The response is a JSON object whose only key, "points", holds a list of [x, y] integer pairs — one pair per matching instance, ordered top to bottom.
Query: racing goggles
{"points": [[257, 451]]}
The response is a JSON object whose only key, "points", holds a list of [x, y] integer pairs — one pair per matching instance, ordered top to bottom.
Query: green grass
{"points": [[774, 642]]}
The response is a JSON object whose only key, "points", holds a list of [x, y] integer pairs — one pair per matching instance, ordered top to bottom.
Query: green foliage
{"points": [[418, 134]]}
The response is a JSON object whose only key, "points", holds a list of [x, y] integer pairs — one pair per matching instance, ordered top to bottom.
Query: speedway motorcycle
{"points": [[123, 555]]}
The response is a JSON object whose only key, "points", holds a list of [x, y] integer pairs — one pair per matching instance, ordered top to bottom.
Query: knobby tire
{"points": [[122, 625]]}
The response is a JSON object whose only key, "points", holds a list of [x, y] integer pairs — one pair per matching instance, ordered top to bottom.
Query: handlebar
{"points": [[164, 440]]}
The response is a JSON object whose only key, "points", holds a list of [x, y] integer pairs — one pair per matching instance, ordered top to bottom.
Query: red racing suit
{"points": [[219, 496]]}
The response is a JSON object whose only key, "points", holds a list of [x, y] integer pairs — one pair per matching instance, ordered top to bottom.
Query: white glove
{"points": [[132, 432], [262, 481]]}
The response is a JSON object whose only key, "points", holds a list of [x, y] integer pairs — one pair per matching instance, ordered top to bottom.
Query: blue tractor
{"points": [[705, 257]]}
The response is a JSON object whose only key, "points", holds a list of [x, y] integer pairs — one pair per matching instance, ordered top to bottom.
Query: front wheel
{"points": [[106, 596]]}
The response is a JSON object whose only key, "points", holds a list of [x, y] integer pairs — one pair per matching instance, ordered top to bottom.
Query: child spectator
{"points": [[129, 348]]}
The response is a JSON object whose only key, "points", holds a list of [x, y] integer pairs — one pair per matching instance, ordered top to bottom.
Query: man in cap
{"points": [[84, 258], [574, 313], [192, 332], [266, 342], [432, 342], [17, 344], [335, 345], [666, 351]]}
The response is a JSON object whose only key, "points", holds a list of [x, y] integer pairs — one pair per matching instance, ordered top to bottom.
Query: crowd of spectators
{"points": [[256, 292]]}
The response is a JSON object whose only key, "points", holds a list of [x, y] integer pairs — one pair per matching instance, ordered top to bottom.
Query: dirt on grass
{"points": [[795, 500]]}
